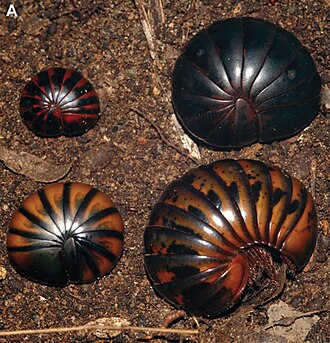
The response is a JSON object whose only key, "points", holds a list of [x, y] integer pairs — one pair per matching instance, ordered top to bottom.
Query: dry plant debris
{"points": [[32, 166]]}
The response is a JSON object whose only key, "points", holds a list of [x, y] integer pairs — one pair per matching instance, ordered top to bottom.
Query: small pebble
{"points": [[3, 273]]}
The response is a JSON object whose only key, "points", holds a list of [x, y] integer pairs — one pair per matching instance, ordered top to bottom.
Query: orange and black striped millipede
{"points": [[65, 232], [226, 233]]}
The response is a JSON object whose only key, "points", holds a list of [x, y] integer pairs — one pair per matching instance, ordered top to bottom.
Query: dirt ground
{"points": [[124, 156]]}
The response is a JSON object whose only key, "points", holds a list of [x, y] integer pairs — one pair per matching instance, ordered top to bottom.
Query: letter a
{"points": [[11, 11]]}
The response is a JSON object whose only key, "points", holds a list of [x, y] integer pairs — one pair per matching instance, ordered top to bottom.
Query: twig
{"points": [[158, 15], [148, 24], [147, 28], [149, 33], [161, 135], [96, 327]]}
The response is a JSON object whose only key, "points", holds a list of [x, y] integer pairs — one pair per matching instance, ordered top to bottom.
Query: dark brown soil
{"points": [[105, 41]]}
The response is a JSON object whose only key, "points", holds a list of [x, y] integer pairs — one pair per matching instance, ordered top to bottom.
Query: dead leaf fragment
{"points": [[32, 166], [288, 323]]}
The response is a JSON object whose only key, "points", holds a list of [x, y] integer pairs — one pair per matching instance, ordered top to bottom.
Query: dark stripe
{"points": [[216, 48], [242, 48], [266, 50], [284, 68], [43, 80], [71, 82], [57, 83], [32, 94], [79, 101], [80, 111], [237, 168], [262, 173], [256, 188], [225, 189], [279, 194], [65, 204], [270, 204], [294, 206], [82, 208], [299, 208], [50, 210], [195, 211], [176, 213], [198, 213], [96, 217], [33, 219], [224, 219], [107, 233], [33, 235], [172, 235], [85, 245], [39, 246], [89, 258], [72, 260], [163, 262], [182, 266], [179, 285], [210, 290]]}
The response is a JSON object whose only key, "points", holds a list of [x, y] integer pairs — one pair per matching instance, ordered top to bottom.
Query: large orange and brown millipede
{"points": [[226, 232]]}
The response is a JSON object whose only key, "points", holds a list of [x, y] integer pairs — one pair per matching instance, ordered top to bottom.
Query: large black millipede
{"points": [[244, 80]]}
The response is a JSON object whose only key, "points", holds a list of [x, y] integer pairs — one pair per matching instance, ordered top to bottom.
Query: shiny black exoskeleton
{"points": [[244, 80]]}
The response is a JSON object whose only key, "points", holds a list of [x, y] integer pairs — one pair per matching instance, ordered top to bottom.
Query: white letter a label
{"points": [[11, 11]]}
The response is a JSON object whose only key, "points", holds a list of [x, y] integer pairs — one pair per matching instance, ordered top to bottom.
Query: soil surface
{"points": [[124, 156]]}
